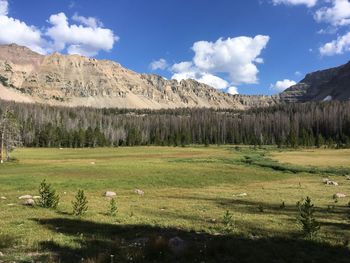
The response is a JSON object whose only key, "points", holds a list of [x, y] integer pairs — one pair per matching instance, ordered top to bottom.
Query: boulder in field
{"points": [[332, 183], [139, 192], [110, 194], [241, 195], [339, 195], [25, 197], [29, 202]]}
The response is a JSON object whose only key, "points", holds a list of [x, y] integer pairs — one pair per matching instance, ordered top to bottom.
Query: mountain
{"points": [[73, 80], [324, 85]]}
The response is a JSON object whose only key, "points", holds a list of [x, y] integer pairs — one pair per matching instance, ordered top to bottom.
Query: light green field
{"points": [[315, 157], [187, 192]]}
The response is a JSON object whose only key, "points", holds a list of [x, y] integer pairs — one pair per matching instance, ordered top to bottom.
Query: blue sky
{"points": [[262, 41]]}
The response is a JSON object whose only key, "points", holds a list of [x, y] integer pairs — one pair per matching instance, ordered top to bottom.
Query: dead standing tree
{"points": [[10, 134]]}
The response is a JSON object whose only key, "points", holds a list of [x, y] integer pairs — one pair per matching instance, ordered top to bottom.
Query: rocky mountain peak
{"points": [[73, 80]]}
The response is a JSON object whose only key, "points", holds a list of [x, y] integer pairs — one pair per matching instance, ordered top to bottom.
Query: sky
{"points": [[244, 46]]}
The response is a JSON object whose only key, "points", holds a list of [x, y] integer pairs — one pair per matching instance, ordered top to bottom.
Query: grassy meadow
{"points": [[187, 192]]}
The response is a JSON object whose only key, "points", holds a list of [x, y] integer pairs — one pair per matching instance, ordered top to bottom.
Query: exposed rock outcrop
{"points": [[73, 80], [324, 85]]}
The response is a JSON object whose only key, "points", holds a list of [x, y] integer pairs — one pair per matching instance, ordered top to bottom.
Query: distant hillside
{"points": [[73, 80], [324, 85]]}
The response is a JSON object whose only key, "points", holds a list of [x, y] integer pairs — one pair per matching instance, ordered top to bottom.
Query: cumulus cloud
{"points": [[308, 3], [337, 15], [87, 21], [15, 31], [88, 37], [79, 39], [336, 47], [236, 58], [161, 64], [213, 81], [282, 85], [232, 90]]}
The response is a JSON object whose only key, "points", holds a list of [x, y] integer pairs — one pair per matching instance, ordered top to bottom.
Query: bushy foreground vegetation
{"points": [[310, 124], [173, 204]]}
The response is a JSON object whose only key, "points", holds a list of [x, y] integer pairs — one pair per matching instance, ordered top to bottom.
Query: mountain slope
{"points": [[73, 80], [329, 84]]}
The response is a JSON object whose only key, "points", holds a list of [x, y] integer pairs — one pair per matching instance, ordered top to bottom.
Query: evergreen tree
{"points": [[80, 204]]}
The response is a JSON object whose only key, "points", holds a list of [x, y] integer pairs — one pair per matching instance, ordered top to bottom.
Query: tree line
{"points": [[291, 125]]}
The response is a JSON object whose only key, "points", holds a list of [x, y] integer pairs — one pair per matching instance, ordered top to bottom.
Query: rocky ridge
{"points": [[73, 80]]}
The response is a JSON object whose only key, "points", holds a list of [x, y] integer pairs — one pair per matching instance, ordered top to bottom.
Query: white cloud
{"points": [[308, 3], [4, 7], [336, 15], [87, 21], [15, 31], [88, 37], [79, 39], [336, 47], [234, 57], [159, 64], [213, 81], [281, 85], [232, 90]]}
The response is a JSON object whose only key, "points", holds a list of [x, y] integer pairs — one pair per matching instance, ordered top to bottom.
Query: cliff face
{"points": [[73, 80], [324, 85]]}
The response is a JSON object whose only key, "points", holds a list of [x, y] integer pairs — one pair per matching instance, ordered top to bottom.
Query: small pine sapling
{"points": [[48, 196], [80, 204], [310, 226]]}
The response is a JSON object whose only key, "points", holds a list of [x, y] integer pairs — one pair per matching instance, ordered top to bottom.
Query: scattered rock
{"points": [[93, 163], [347, 177], [325, 180], [332, 183], [139, 192], [110, 194], [241, 195], [339, 195], [25, 197], [36, 197], [3, 198], [29, 202], [10, 204], [177, 245], [1, 254]]}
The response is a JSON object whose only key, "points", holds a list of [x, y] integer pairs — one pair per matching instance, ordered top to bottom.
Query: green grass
{"points": [[187, 192]]}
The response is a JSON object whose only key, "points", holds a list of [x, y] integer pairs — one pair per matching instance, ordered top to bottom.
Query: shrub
{"points": [[48, 196], [80, 204], [113, 209], [310, 226]]}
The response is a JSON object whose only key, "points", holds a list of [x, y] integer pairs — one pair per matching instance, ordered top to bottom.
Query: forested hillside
{"points": [[307, 124]]}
